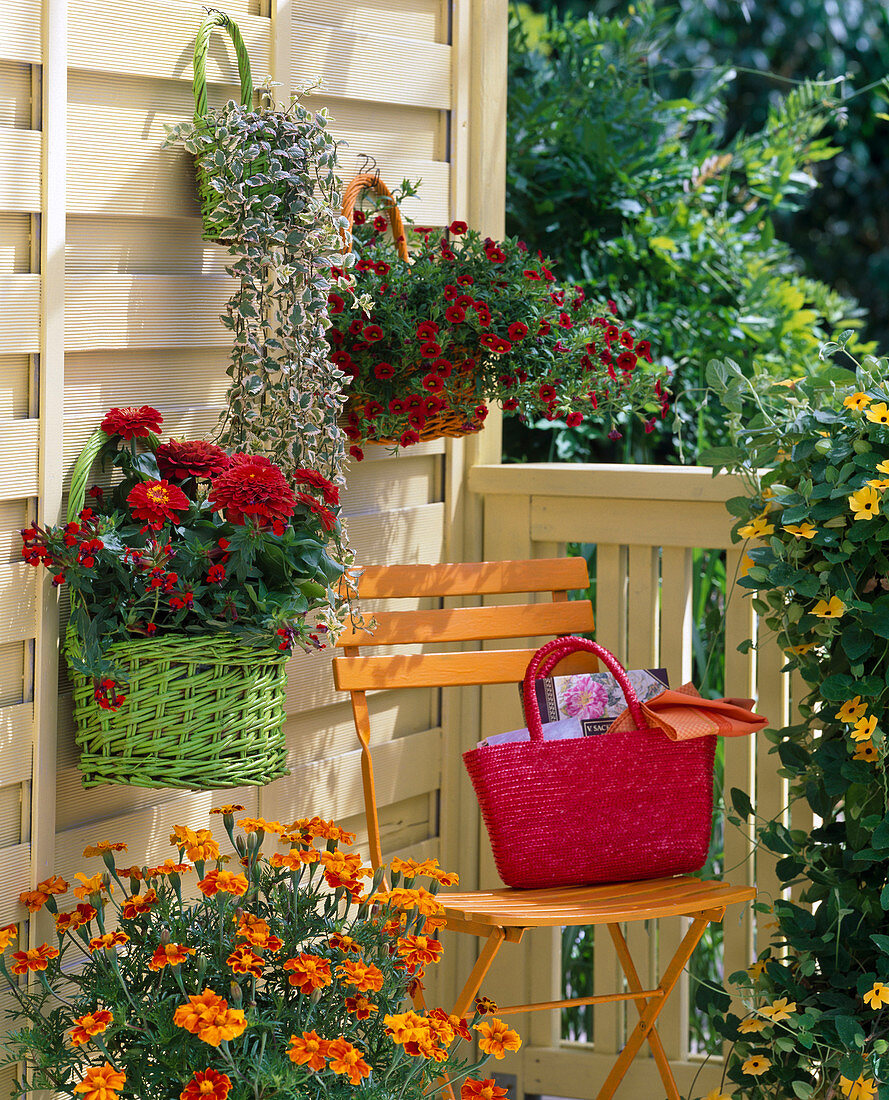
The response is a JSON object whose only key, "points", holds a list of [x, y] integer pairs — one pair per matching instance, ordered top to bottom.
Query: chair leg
{"points": [[635, 985], [654, 1006]]}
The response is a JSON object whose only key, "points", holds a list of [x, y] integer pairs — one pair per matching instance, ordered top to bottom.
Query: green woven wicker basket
{"points": [[200, 712]]}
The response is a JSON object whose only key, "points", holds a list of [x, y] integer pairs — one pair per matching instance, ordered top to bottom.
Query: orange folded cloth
{"points": [[683, 714]]}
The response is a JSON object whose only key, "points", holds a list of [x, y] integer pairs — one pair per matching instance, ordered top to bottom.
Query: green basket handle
{"points": [[201, 46], [80, 475]]}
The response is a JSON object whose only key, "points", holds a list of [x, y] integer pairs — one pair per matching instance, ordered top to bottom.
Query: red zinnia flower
{"points": [[495, 255], [450, 292], [565, 321], [626, 340], [643, 350], [342, 359], [372, 410], [130, 422], [182, 459], [311, 477], [252, 486], [156, 502], [207, 1084]]}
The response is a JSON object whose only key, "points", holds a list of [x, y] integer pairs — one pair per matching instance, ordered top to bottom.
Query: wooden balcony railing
{"points": [[646, 522]]}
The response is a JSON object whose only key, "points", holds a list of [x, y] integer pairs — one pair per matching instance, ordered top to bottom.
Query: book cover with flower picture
{"points": [[584, 704]]}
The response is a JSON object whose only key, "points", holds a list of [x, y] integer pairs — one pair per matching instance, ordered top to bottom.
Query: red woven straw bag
{"points": [[608, 808]]}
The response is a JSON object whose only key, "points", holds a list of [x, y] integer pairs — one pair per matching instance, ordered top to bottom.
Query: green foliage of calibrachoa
{"points": [[815, 456]]}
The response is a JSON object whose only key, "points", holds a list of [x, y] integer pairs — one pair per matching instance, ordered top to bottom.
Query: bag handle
{"points": [[202, 45], [367, 181], [545, 660]]}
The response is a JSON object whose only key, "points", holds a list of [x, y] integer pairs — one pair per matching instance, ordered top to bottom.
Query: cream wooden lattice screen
{"points": [[108, 297], [645, 522]]}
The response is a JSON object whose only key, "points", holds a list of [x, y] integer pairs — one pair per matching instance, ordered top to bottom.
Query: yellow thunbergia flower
{"points": [[857, 401], [879, 413], [883, 467], [879, 483], [865, 504], [757, 528], [804, 530], [829, 609], [798, 649], [851, 710], [864, 729], [867, 751], [757, 968], [877, 996], [778, 1010], [746, 1027], [756, 1065], [862, 1088], [717, 1094]]}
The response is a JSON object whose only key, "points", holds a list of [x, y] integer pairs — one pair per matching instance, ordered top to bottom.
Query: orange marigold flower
{"points": [[227, 809], [260, 825], [325, 830], [202, 846], [102, 847], [291, 860], [168, 867], [410, 868], [344, 870], [131, 872], [226, 881], [55, 884], [95, 884], [418, 898], [33, 899], [139, 904], [75, 918], [256, 932], [8, 933], [108, 941], [339, 942], [419, 950], [169, 954], [34, 959], [243, 961], [309, 972], [365, 977], [200, 1006], [360, 1006], [485, 1007], [456, 1024], [405, 1026], [85, 1027], [223, 1027], [496, 1038], [308, 1049], [346, 1059], [101, 1083], [207, 1084], [482, 1090]]}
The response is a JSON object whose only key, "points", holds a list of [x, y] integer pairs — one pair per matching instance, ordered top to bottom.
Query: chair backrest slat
{"points": [[486, 578], [462, 624], [489, 666]]}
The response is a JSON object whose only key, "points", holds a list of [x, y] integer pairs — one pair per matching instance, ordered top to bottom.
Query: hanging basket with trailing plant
{"points": [[430, 325], [191, 582]]}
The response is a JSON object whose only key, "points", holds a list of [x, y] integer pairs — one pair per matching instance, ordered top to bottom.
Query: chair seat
{"points": [[603, 904]]}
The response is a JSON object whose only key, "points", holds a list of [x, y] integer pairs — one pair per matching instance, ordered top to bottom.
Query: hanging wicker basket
{"points": [[206, 168], [445, 423], [200, 712]]}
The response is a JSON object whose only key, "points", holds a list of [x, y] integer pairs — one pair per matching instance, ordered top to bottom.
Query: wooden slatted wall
{"points": [[108, 296]]}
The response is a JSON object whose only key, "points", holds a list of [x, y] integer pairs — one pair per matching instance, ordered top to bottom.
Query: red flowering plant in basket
{"points": [[466, 320], [191, 540], [289, 975]]}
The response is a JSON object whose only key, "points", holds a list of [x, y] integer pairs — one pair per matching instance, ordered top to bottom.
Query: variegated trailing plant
{"points": [[270, 193]]}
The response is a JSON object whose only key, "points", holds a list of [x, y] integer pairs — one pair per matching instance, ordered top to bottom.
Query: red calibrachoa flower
{"points": [[130, 423], [185, 459], [252, 487], [157, 502]]}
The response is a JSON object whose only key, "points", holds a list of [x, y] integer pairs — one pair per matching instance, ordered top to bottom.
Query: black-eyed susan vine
{"points": [[815, 457]]}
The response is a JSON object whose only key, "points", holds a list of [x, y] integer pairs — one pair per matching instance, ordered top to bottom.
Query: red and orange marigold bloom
{"points": [[182, 459], [252, 487], [155, 502], [317, 827], [102, 847], [226, 882], [55, 884], [95, 884], [33, 899], [138, 904], [75, 918], [255, 931], [8, 933], [108, 941], [346, 944], [419, 950], [169, 954], [34, 959], [243, 961], [309, 972], [365, 977], [360, 1007], [209, 1017], [93, 1023], [457, 1025], [496, 1038], [308, 1049], [346, 1059], [101, 1083], [207, 1084], [482, 1090]]}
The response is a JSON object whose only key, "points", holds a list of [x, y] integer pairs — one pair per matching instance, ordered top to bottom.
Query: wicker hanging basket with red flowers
{"points": [[429, 326], [192, 579]]}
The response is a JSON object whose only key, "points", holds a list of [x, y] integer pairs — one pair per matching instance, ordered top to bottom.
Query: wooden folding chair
{"points": [[498, 916]]}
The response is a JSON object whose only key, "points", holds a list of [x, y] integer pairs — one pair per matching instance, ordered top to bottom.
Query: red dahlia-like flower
{"points": [[130, 422], [182, 459], [311, 477], [252, 486], [156, 502], [207, 1084]]}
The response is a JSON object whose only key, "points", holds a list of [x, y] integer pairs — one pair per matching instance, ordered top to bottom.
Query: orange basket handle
{"points": [[366, 181]]}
